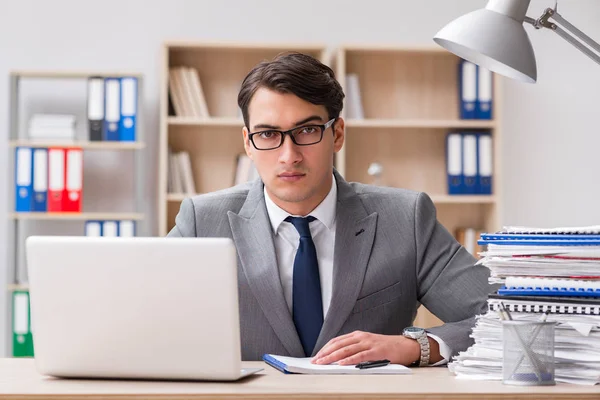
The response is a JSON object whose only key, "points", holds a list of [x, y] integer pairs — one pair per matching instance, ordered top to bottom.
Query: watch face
{"points": [[413, 329]]}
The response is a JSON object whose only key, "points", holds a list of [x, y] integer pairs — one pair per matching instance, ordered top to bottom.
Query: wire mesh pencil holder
{"points": [[528, 353]]}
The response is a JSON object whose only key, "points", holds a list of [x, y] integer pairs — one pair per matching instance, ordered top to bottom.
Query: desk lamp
{"points": [[494, 38]]}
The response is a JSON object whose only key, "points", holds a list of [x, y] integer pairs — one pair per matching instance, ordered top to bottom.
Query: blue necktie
{"points": [[306, 288]]}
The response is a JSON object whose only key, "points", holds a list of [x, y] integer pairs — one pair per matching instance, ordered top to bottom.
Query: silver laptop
{"points": [[135, 308]]}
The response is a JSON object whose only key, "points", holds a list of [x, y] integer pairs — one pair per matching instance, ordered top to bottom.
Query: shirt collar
{"points": [[324, 212]]}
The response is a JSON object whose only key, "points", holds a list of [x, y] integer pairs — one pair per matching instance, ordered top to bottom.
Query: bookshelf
{"points": [[410, 101], [212, 141], [22, 223]]}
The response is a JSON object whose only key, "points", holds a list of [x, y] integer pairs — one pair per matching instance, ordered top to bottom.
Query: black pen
{"points": [[372, 364]]}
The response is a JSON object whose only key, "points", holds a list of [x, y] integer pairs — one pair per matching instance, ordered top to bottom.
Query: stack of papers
{"points": [[554, 271]]}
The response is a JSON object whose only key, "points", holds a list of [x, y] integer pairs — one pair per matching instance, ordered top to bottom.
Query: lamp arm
{"points": [[543, 22]]}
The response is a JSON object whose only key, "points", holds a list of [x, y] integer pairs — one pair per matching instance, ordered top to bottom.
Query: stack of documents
{"points": [[52, 127], [541, 271]]}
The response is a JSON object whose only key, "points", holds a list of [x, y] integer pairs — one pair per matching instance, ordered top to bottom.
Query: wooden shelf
{"points": [[70, 74], [211, 121], [421, 123], [86, 145], [178, 197], [463, 199], [75, 216], [16, 288]]}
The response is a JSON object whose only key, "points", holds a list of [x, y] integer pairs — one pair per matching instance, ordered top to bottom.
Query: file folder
{"points": [[467, 89], [129, 93], [484, 93], [95, 107], [112, 114], [454, 163], [470, 163], [485, 163], [23, 179], [56, 179], [40, 180], [74, 180], [93, 228], [110, 228], [126, 228], [22, 337]]}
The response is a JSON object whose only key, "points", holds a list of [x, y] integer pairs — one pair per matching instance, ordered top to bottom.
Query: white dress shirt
{"points": [[322, 230]]}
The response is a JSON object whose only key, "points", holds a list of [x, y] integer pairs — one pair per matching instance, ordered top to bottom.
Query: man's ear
{"points": [[338, 134], [247, 143]]}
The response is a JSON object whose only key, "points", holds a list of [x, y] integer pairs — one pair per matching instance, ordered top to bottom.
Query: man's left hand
{"points": [[358, 346]]}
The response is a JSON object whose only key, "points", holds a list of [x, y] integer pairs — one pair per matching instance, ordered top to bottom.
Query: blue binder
{"points": [[467, 88], [484, 93], [112, 108], [127, 127], [454, 163], [470, 163], [485, 163], [23, 179], [40, 180], [93, 228]]}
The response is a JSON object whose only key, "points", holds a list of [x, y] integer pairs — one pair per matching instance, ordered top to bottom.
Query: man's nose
{"points": [[289, 151]]}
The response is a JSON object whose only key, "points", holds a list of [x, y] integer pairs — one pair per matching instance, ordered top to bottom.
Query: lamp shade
{"points": [[494, 38]]}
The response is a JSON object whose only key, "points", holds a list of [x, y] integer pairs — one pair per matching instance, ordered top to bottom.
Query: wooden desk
{"points": [[19, 380]]}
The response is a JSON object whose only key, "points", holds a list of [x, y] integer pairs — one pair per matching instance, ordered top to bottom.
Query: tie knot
{"points": [[301, 224]]}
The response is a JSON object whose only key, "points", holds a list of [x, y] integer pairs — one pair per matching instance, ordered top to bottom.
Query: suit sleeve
{"points": [[185, 221], [449, 284]]}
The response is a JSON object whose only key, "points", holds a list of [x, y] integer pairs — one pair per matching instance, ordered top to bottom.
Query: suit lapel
{"points": [[355, 232], [253, 238]]}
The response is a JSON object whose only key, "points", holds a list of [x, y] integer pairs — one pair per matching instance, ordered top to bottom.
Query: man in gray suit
{"points": [[328, 268]]}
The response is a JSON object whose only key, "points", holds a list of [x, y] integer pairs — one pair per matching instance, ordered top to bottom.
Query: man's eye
{"points": [[307, 130], [267, 135]]}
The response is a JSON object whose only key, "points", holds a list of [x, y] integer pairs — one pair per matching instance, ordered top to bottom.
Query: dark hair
{"points": [[296, 73]]}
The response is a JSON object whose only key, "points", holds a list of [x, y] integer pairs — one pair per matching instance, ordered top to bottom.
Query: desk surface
{"points": [[19, 380]]}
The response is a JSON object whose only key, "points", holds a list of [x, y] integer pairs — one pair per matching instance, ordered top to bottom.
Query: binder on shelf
{"points": [[467, 89], [484, 93], [354, 98], [95, 107], [112, 114], [128, 120], [454, 163], [470, 163], [485, 163], [23, 179], [56, 179], [40, 180], [74, 180], [93, 228], [110, 228], [127, 228], [22, 337]]}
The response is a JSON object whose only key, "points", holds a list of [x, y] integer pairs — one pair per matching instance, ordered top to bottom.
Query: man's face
{"points": [[297, 178]]}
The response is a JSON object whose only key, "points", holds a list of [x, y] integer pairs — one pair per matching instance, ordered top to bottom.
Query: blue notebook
{"points": [[548, 291], [293, 365]]}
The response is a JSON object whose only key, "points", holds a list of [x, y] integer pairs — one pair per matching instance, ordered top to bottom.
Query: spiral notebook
{"points": [[572, 236], [525, 286], [541, 304]]}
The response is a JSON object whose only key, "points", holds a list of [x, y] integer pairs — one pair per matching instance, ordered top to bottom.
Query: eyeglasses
{"points": [[301, 136]]}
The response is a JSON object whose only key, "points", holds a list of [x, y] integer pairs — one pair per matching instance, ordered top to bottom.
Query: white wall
{"points": [[550, 138]]}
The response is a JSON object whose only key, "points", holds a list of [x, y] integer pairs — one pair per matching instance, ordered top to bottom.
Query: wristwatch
{"points": [[420, 336]]}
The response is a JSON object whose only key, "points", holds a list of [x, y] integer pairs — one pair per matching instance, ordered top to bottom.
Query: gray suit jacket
{"points": [[390, 254]]}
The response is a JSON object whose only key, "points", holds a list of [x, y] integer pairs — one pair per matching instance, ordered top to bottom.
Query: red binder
{"points": [[56, 179], [73, 180]]}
